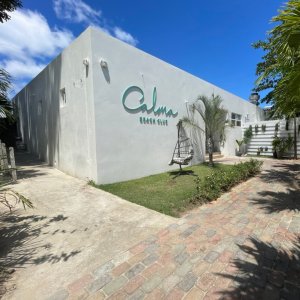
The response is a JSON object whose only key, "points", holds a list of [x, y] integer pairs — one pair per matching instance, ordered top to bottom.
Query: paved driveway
{"points": [[73, 228], [245, 245]]}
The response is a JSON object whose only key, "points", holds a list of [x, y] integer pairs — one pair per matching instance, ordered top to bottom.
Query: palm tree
{"points": [[5, 104], [214, 117]]}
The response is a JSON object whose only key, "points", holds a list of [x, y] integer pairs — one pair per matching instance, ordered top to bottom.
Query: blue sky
{"points": [[210, 39]]}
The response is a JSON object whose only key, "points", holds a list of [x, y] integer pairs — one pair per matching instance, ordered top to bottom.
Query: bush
{"points": [[248, 135], [281, 144], [218, 182]]}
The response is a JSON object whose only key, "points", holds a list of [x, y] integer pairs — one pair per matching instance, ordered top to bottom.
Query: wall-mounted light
{"points": [[86, 62], [103, 63]]}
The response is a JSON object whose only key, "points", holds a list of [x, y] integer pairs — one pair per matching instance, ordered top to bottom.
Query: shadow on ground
{"points": [[26, 164], [286, 173], [176, 174], [275, 201], [20, 244], [268, 271]]}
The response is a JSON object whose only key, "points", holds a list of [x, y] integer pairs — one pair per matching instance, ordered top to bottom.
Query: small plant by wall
{"points": [[248, 134], [240, 144], [281, 145], [261, 150]]}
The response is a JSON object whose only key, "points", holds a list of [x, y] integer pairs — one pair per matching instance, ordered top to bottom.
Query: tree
{"points": [[8, 6], [279, 72], [5, 85], [214, 117]]}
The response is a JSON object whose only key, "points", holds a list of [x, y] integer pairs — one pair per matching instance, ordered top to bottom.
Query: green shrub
{"points": [[248, 134], [212, 186]]}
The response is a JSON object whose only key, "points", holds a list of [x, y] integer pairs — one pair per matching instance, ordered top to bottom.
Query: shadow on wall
{"points": [[106, 74], [39, 114], [21, 243], [265, 271]]}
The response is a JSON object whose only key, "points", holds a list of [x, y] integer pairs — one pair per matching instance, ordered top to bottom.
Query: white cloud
{"points": [[76, 11], [28, 34], [124, 36], [27, 42], [22, 69]]}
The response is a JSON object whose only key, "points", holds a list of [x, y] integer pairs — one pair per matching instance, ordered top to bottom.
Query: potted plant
{"points": [[240, 144], [281, 145], [259, 150]]}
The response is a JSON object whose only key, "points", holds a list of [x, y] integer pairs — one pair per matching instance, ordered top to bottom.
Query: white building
{"points": [[107, 111]]}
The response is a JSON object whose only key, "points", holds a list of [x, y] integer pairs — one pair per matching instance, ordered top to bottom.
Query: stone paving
{"points": [[245, 245]]}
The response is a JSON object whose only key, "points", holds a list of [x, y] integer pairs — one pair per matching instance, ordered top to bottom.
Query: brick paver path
{"points": [[245, 245]]}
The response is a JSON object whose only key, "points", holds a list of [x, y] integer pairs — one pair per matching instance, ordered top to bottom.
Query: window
{"points": [[63, 97], [236, 119]]}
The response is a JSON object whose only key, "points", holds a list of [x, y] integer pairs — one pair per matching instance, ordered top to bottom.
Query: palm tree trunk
{"points": [[295, 138], [210, 151]]}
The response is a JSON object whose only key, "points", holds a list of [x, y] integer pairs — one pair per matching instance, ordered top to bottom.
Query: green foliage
{"points": [[8, 6], [279, 72], [5, 85], [5, 104], [212, 113], [214, 117], [248, 135], [239, 142], [282, 144], [260, 149], [218, 182], [92, 183], [168, 193], [10, 199]]}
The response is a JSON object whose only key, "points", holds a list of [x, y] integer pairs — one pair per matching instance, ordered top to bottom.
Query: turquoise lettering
{"points": [[142, 107]]}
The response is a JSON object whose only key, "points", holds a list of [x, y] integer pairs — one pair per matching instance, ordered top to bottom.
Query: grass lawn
{"points": [[168, 193]]}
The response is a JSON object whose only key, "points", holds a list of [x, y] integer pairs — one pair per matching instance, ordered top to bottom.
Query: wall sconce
{"points": [[86, 62], [103, 63]]}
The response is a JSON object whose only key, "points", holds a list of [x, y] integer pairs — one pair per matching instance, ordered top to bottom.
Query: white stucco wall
{"points": [[62, 136], [93, 136], [127, 149]]}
